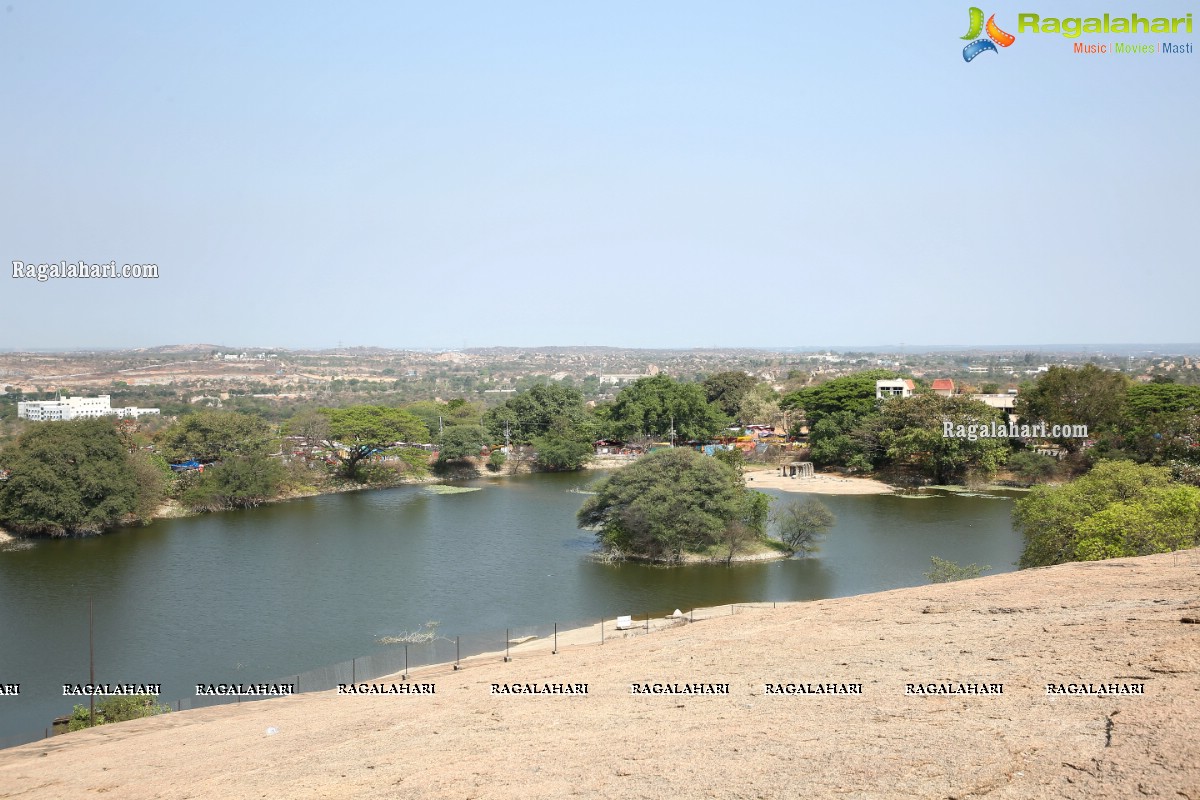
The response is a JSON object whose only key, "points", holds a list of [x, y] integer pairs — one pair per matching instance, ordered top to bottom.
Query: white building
{"points": [[895, 388], [1006, 402], [76, 408], [133, 412]]}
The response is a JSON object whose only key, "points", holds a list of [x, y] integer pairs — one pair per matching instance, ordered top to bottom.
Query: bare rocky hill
{"points": [[1117, 625]]}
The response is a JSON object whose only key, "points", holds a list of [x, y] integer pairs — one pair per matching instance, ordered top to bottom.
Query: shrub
{"points": [[1031, 466], [944, 571], [117, 709]]}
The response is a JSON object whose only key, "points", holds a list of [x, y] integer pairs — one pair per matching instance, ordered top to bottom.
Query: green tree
{"points": [[726, 390], [853, 394], [1088, 396], [760, 405], [648, 407], [532, 413], [436, 414], [842, 418], [1160, 423], [310, 425], [356, 432], [913, 432], [209, 436], [843, 439], [461, 442], [561, 450], [1032, 467], [153, 476], [68, 477], [236, 482], [668, 503], [1163, 520], [800, 522], [1066, 523], [749, 527]]}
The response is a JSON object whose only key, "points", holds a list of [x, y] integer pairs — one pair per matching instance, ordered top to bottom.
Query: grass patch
{"points": [[774, 545], [719, 552]]}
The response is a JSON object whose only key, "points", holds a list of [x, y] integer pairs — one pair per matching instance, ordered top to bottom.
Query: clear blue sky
{"points": [[668, 174]]}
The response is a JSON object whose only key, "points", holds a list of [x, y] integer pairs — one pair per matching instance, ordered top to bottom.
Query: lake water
{"points": [[257, 595]]}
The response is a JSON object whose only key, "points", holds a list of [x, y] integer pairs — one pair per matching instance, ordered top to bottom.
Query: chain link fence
{"points": [[443, 654]]}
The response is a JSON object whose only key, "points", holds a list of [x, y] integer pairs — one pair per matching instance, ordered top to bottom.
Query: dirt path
{"points": [[1115, 622]]}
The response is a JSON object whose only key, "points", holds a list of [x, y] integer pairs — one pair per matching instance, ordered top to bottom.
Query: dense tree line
{"points": [[550, 417], [1157, 423], [848, 427], [84, 476], [76, 477]]}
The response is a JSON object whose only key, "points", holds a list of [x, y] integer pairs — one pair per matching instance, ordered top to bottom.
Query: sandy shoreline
{"points": [[818, 484], [1107, 622]]}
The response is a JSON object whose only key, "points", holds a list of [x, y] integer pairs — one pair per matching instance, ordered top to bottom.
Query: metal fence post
{"points": [[602, 630], [507, 641], [554, 652], [457, 653], [405, 663], [353, 670]]}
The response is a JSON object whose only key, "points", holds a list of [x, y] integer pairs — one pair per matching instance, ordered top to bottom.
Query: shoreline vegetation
{"points": [[84, 476], [821, 483], [338, 745]]}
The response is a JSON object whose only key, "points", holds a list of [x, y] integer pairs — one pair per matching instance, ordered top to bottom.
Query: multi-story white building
{"points": [[76, 408]]}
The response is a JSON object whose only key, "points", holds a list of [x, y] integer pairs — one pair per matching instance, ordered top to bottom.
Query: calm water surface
{"points": [[261, 594]]}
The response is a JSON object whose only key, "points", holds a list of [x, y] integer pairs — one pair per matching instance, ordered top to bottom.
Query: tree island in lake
{"points": [[677, 505]]}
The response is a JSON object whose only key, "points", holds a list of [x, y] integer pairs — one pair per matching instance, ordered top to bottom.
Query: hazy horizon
{"points": [[1157, 348]]}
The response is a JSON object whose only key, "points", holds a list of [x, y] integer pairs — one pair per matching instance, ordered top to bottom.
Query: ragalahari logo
{"points": [[994, 34]]}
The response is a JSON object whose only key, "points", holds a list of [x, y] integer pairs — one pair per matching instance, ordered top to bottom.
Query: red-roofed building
{"points": [[943, 386]]}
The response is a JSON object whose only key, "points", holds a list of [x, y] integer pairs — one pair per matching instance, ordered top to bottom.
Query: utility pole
{"points": [[441, 427], [672, 430], [506, 443], [91, 667]]}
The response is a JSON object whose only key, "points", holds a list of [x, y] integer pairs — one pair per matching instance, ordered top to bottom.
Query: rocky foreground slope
{"points": [[1112, 626]]}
